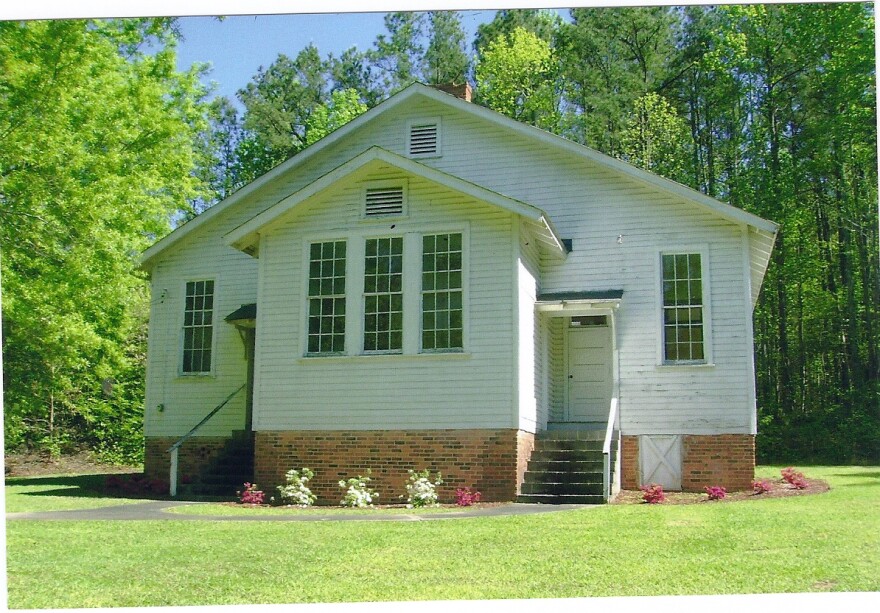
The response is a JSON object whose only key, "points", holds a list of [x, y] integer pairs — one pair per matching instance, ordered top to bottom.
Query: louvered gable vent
{"points": [[423, 139], [384, 201]]}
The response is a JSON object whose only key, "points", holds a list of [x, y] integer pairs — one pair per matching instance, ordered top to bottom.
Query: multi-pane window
{"points": [[383, 294], [327, 297], [198, 326], [442, 327], [683, 339]]}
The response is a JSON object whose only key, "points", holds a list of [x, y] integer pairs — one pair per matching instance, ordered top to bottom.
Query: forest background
{"points": [[106, 147]]}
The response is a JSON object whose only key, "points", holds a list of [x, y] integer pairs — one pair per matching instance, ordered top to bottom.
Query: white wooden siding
{"points": [[588, 203], [531, 366], [471, 390]]}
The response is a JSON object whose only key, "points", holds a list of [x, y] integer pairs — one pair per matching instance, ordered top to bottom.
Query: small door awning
{"points": [[577, 303], [244, 316]]}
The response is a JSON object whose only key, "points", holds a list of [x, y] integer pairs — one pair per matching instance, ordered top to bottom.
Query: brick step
{"points": [[571, 435], [568, 445], [227, 464], [541, 476], [550, 488], [226, 492], [560, 499]]}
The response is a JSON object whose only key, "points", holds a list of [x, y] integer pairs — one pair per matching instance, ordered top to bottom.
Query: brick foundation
{"points": [[193, 457], [722, 459], [727, 460], [491, 461], [629, 462]]}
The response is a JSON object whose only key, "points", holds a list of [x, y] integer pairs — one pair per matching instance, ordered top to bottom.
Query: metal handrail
{"points": [[606, 448], [173, 450]]}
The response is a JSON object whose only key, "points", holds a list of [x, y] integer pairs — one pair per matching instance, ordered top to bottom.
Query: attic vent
{"points": [[423, 139], [384, 201]]}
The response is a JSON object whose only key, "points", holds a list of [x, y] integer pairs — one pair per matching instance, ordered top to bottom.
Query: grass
{"points": [[58, 493], [828, 542]]}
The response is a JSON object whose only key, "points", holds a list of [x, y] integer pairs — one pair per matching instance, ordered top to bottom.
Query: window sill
{"points": [[382, 357], [681, 365], [196, 376]]}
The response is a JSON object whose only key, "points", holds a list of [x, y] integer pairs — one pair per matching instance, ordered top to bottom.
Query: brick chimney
{"points": [[462, 91]]}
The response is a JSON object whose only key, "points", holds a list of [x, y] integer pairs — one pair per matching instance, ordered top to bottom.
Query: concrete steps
{"points": [[566, 467], [232, 468]]}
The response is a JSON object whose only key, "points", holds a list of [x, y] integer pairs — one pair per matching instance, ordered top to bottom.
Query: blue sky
{"points": [[237, 46]]}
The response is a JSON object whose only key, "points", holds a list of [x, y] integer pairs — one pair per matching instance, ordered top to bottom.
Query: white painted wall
{"points": [[587, 203], [475, 389]]}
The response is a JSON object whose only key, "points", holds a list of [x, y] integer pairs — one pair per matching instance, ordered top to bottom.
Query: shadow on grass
{"points": [[874, 476], [76, 486], [95, 486]]}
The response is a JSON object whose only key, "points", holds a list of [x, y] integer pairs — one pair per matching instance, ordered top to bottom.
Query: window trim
{"points": [[424, 121], [403, 184], [703, 251], [307, 261], [464, 294], [363, 295], [412, 303], [182, 331]]}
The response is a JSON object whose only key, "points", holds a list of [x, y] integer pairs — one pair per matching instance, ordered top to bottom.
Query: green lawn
{"points": [[799, 544]]}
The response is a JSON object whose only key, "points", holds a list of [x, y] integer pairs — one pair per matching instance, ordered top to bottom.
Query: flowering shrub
{"points": [[794, 478], [761, 487], [296, 491], [358, 492], [420, 492], [715, 492], [250, 494], [653, 494], [465, 497]]}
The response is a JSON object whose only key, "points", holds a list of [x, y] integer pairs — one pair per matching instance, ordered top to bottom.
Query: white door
{"points": [[589, 373], [660, 460]]}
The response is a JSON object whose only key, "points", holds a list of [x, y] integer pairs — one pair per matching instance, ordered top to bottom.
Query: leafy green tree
{"points": [[542, 23], [353, 70], [517, 76], [344, 105], [655, 137], [98, 155]]}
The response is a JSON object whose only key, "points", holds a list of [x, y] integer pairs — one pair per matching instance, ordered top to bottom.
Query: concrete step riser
{"points": [[569, 445], [567, 456], [566, 466], [563, 477], [558, 489], [551, 499]]}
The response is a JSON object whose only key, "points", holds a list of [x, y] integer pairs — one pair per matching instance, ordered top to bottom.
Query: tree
{"points": [[541, 22], [399, 57], [610, 57], [446, 60], [352, 70], [517, 76], [278, 103], [344, 105], [655, 137], [98, 155]]}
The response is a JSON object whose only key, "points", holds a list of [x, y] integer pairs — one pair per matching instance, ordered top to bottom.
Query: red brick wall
{"points": [[193, 457], [721, 459], [491, 461], [629, 462]]}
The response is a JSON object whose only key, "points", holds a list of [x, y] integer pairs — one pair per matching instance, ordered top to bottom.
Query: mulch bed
{"points": [[780, 489]]}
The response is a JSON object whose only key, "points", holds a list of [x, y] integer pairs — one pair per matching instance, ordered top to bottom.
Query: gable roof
{"points": [[722, 209], [246, 235]]}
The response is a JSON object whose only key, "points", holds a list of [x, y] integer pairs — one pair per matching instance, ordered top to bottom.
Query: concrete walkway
{"points": [[159, 510]]}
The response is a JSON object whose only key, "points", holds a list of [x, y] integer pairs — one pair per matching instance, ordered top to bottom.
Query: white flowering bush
{"points": [[296, 491], [420, 491], [358, 492]]}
